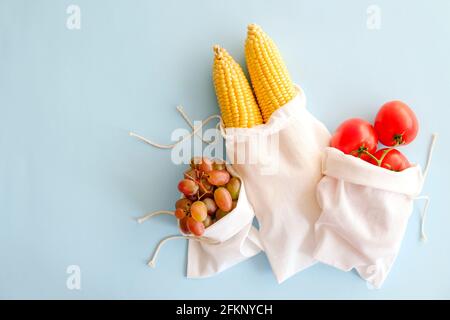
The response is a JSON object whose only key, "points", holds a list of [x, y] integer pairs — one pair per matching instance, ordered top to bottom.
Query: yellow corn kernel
{"points": [[270, 78], [234, 93]]}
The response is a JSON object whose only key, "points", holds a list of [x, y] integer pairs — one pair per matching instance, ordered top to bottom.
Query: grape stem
{"points": [[190, 177], [198, 181], [201, 184]]}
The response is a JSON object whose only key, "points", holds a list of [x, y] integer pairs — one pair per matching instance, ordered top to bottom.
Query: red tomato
{"points": [[396, 124], [355, 136], [393, 159]]}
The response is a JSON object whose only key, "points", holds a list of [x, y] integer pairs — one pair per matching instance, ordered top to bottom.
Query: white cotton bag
{"points": [[280, 163], [365, 211], [229, 241], [224, 244]]}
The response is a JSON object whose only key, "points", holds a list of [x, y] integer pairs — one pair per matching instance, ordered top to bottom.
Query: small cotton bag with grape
{"points": [[225, 243]]}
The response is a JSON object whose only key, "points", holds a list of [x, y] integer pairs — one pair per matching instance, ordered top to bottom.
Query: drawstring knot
{"points": [[194, 131]]}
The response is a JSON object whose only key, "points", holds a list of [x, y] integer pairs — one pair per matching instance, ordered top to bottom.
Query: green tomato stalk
{"points": [[379, 161]]}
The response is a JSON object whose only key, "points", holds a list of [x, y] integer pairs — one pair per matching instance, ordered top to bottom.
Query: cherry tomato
{"points": [[396, 124], [356, 137], [391, 159]]}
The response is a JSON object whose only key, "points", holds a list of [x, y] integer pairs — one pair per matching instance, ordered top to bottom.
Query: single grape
{"points": [[195, 161], [206, 165], [219, 165], [192, 173], [218, 177], [234, 186], [187, 187], [207, 187], [208, 196], [193, 197], [223, 199], [183, 203], [234, 204], [210, 206], [199, 211], [180, 213], [220, 214], [207, 222], [183, 225], [197, 228]]}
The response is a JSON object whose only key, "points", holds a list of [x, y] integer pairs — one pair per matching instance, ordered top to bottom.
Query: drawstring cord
{"points": [[180, 109], [190, 135], [430, 154], [152, 214], [147, 216], [423, 236], [152, 261]]}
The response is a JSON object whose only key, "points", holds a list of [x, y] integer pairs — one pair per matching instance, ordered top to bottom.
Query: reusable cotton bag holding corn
{"points": [[275, 145]]}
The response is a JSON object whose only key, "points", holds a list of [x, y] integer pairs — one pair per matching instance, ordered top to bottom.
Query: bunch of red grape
{"points": [[210, 193]]}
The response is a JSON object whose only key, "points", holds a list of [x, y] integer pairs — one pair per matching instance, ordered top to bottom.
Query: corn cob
{"points": [[270, 78], [234, 93]]}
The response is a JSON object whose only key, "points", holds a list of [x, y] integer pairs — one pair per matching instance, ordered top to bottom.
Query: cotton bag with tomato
{"points": [[395, 125], [365, 205]]}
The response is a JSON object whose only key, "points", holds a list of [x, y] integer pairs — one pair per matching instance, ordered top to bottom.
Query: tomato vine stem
{"points": [[372, 156], [378, 161]]}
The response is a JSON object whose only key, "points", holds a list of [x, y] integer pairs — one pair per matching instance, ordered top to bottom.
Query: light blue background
{"points": [[71, 179]]}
